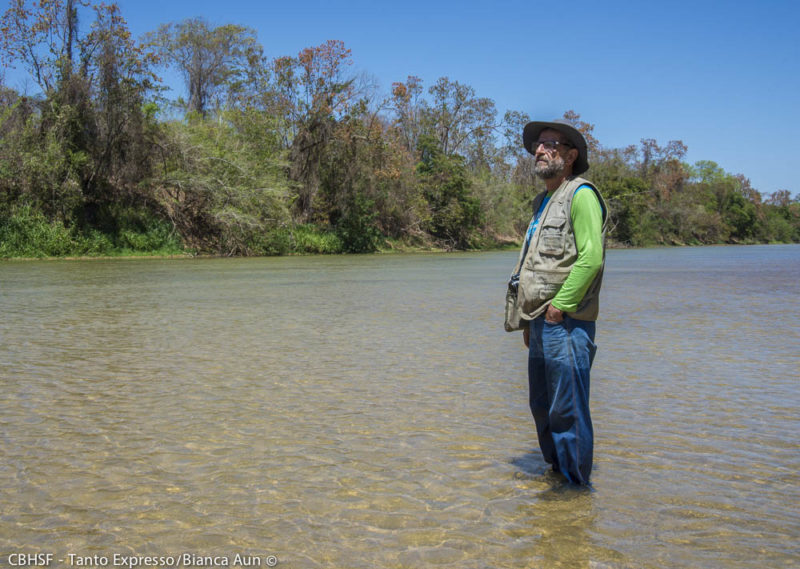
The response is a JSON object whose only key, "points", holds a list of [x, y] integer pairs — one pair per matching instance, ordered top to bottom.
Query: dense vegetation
{"points": [[296, 154]]}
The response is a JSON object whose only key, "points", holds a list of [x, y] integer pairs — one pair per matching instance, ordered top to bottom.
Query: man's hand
{"points": [[554, 315], [526, 337]]}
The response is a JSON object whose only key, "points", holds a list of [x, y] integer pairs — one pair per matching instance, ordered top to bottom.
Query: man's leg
{"points": [[568, 350], [538, 394]]}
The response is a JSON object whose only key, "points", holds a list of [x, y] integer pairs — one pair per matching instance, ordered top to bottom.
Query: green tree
{"points": [[43, 37], [212, 60], [317, 90], [407, 105], [461, 122], [122, 127], [79, 154], [446, 184], [222, 190], [728, 198], [781, 218]]}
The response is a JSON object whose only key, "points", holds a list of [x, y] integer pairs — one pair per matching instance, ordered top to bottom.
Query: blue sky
{"points": [[723, 77]]}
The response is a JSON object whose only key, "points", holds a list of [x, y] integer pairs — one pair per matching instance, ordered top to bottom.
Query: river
{"points": [[370, 412]]}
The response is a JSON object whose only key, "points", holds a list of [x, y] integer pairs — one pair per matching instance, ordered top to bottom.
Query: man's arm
{"points": [[587, 223]]}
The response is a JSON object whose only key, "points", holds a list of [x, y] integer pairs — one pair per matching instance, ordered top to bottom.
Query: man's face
{"points": [[550, 162]]}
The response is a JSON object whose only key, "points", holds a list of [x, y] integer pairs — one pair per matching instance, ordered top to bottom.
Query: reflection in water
{"points": [[370, 412], [565, 516], [555, 523]]}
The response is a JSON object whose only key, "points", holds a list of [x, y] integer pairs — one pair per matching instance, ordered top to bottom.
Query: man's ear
{"points": [[572, 155]]}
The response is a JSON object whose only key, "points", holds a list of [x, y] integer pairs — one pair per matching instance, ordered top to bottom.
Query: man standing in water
{"points": [[557, 283]]}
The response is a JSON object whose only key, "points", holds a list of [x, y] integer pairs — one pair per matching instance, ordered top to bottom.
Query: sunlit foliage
{"points": [[297, 154]]}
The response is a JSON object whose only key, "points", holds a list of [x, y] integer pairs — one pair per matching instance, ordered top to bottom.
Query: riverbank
{"points": [[394, 249], [191, 255]]}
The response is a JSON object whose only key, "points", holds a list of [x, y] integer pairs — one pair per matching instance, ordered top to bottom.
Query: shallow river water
{"points": [[370, 412]]}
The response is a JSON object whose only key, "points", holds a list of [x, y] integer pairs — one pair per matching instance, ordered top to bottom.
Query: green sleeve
{"points": [[587, 224]]}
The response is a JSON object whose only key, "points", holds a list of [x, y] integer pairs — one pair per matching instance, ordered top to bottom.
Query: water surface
{"points": [[370, 412]]}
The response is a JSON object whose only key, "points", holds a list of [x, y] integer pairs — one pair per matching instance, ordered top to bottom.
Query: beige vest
{"points": [[550, 256]]}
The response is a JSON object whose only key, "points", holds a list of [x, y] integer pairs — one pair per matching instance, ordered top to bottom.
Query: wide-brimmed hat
{"points": [[533, 129]]}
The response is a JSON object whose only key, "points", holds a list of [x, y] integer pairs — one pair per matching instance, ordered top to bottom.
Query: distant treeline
{"points": [[296, 154]]}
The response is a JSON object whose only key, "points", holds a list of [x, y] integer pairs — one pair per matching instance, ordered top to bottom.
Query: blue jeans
{"points": [[559, 360]]}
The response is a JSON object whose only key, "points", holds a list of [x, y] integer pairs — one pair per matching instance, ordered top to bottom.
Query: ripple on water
{"points": [[162, 407]]}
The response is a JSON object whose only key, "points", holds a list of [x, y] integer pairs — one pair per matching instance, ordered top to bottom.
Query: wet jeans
{"points": [[559, 360]]}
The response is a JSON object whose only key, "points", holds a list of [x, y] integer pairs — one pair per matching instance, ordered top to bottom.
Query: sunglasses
{"points": [[551, 144]]}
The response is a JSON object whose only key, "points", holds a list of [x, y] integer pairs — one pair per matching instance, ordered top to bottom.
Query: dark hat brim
{"points": [[532, 130]]}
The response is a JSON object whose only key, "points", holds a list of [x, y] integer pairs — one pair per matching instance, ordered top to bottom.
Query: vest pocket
{"points": [[552, 239], [549, 283], [536, 287]]}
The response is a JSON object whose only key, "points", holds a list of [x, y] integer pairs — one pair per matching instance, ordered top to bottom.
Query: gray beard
{"points": [[550, 169]]}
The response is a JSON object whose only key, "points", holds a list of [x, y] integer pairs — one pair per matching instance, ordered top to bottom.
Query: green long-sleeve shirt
{"points": [[586, 215]]}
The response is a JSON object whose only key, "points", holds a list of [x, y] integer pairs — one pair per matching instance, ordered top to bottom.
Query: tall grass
{"points": [[27, 233]]}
